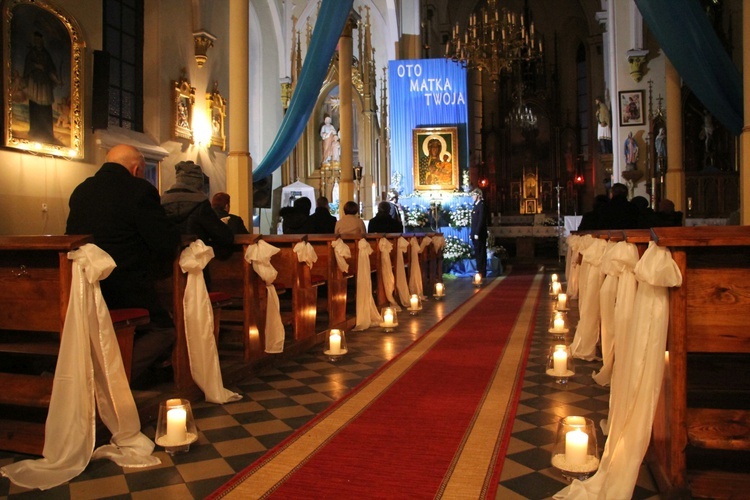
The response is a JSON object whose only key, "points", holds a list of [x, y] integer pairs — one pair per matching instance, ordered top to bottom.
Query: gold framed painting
{"points": [[43, 52], [183, 99], [217, 112], [435, 158]]}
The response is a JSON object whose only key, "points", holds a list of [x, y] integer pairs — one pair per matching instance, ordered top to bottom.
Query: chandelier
{"points": [[494, 41], [521, 115]]}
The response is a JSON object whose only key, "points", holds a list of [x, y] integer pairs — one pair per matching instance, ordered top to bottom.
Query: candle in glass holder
{"points": [[477, 278], [554, 278], [556, 287], [439, 289], [414, 301], [562, 301], [388, 317], [559, 324], [334, 342], [560, 360], [177, 425], [576, 447]]}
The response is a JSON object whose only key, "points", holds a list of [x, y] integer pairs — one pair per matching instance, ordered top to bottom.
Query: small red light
{"points": [[483, 182]]}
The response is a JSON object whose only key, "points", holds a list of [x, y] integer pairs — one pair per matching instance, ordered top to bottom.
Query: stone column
{"points": [[239, 163], [675, 176], [346, 184]]}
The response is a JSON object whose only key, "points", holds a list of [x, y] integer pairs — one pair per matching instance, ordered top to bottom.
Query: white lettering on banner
{"points": [[403, 70], [430, 85], [445, 98]]}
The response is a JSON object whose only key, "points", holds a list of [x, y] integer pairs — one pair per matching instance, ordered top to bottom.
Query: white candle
{"points": [[477, 278], [554, 278], [556, 287], [439, 289], [414, 301], [562, 301], [388, 317], [559, 324], [334, 342], [560, 361], [176, 425], [576, 446]]}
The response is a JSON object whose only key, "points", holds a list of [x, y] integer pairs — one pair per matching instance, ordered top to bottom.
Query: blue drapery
{"points": [[328, 27], [690, 43]]}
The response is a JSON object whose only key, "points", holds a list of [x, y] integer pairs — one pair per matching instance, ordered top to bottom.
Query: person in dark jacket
{"points": [[220, 204], [188, 207], [123, 213], [619, 213], [646, 216], [296, 219], [322, 220], [590, 220], [383, 222], [479, 231]]}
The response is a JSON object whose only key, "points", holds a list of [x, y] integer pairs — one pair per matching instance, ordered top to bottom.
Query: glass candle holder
{"points": [[553, 278], [477, 280], [555, 288], [439, 291], [562, 302], [415, 304], [390, 319], [558, 325], [336, 344], [560, 363], [175, 426], [575, 452]]}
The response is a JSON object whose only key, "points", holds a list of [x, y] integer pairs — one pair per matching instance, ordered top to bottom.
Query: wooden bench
{"points": [[35, 280], [701, 433]]}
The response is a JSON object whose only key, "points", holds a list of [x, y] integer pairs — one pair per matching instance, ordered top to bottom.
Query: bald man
{"points": [[124, 214]]}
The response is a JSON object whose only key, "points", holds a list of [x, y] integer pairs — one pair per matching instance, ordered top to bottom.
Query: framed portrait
{"points": [[43, 52], [183, 99], [631, 108], [217, 112], [435, 158], [530, 206]]}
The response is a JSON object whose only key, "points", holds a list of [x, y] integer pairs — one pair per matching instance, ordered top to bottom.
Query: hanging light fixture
{"points": [[493, 41], [521, 115]]}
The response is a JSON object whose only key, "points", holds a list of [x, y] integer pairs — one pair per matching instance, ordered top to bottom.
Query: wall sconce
{"points": [[203, 40], [358, 172]]}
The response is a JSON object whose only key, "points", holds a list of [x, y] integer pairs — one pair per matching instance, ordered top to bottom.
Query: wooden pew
{"points": [[35, 281], [700, 438]]}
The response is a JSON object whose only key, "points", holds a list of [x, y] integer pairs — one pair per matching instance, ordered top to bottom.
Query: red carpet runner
{"points": [[432, 422]]}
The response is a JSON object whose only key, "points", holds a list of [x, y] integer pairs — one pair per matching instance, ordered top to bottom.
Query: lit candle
{"points": [[477, 278], [554, 278], [556, 287], [439, 289], [414, 301], [562, 301], [388, 317], [559, 324], [334, 342], [560, 360], [177, 425], [576, 445]]}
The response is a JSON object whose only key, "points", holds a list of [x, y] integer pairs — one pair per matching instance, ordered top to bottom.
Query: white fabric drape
{"points": [[438, 242], [341, 252], [306, 253], [259, 255], [572, 268], [415, 269], [389, 281], [402, 286], [607, 295], [367, 310], [199, 326], [587, 331], [88, 365], [636, 382]]}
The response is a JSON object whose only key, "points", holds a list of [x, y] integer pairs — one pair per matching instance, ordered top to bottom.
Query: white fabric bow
{"points": [[438, 242], [342, 252], [306, 253], [259, 256], [415, 270], [389, 281], [402, 286], [367, 311], [199, 325], [587, 331], [89, 360]]}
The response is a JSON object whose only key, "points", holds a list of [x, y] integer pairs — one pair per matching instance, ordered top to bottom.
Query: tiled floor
{"points": [[284, 397]]}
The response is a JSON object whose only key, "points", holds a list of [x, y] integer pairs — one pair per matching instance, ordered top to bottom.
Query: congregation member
{"points": [[220, 204], [188, 207], [618, 213], [124, 214], [667, 215], [646, 216], [296, 219], [322, 220], [590, 220], [383, 222], [350, 223], [479, 230]]}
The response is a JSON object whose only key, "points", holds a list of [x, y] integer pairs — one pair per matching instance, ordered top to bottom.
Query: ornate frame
{"points": [[183, 99], [632, 110], [217, 112], [58, 128], [448, 137]]}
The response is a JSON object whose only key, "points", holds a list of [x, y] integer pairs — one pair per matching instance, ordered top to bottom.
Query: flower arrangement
{"points": [[459, 215], [415, 216], [455, 249]]}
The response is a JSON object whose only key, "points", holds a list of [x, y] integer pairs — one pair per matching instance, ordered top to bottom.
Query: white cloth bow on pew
{"points": [[259, 256], [367, 311]]}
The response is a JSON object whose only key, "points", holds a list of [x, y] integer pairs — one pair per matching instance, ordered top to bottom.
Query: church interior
{"points": [[541, 106]]}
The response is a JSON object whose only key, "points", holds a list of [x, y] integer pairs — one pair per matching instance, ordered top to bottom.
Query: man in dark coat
{"points": [[220, 204], [122, 211], [619, 213], [296, 219], [322, 220], [383, 222], [479, 231]]}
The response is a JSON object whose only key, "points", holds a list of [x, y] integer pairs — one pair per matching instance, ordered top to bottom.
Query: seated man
{"points": [[220, 204], [122, 211], [322, 220], [383, 222]]}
